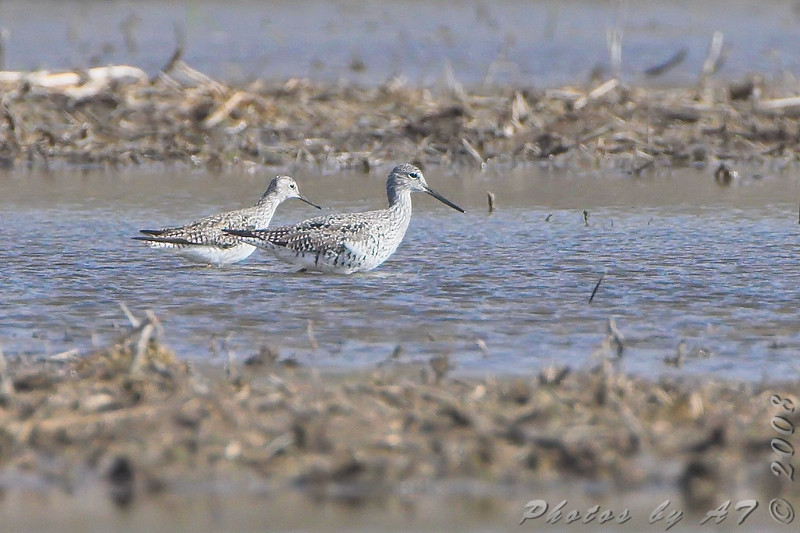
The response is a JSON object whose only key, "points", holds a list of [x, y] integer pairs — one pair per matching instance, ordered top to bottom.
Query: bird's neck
{"points": [[398, 198], [268, 201], [264, 210], [400, 210]]}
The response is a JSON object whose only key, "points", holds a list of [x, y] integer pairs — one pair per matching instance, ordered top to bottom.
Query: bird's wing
{"points": [[205, 231], [320, 234]]}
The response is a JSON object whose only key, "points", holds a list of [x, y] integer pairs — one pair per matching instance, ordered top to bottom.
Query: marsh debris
{"points": [[118, 115], [724, 176], [146, 422]]}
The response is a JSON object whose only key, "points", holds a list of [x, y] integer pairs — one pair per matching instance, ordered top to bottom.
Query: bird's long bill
{"points": [[443, 199], [309, 202]]}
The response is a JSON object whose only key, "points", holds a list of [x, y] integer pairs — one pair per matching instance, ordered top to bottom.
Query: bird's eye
{"points": [[413, 175], [292, 186]]}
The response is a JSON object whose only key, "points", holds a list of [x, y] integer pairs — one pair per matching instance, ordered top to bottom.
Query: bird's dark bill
{"points": [[443, 199], [309, 202]]}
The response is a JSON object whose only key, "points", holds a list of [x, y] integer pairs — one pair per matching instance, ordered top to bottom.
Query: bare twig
{"points": [[4, 33], [614, 41], [177, 54], [174, 58], [713, 62], [667, 65], [200, 78], [598, 92], [239, 98], [779, 104], [520, 110], [602, 130], [473, 152], [649, 161], [597, 286], [132, 319], [310, 333], [615, 337], [482, 345], [66, 355], [139, 359], [232, 370], [6, 385], [278, 444]]}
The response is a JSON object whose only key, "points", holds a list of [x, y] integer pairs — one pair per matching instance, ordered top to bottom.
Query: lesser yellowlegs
{"points": [[203, 239], [347, 242]]}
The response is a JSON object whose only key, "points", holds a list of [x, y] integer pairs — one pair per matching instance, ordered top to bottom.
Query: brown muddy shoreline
{"points": [[119, 116], [144, 425]]}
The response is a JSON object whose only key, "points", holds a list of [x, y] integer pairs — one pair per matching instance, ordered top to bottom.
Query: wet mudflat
{"points": [[129, 114], [120, 116], [138, 429]]}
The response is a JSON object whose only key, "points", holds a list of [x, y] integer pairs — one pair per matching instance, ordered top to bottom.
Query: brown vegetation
{"points": [[117, 116], [146, 423]]}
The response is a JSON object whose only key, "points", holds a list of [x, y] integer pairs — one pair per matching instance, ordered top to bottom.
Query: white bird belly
{"points": [[216, 255]]}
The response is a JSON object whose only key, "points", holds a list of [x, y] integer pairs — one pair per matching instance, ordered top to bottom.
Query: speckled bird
{"points": [[204, 241], [348, 242]]}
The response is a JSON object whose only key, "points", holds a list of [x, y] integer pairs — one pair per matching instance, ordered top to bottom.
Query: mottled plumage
{"points": [[203, 240], [348, 242]]}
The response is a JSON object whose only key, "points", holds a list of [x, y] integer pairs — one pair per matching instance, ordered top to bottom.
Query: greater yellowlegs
{"points": [[203, 239], [347, 242]]}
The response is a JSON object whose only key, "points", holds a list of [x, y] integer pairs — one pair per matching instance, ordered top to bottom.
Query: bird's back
{"points": [[344, 242]]}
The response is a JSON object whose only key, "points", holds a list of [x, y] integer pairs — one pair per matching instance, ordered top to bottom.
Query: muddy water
{"points": [[538, 43], [685, 265], [419, 511]]}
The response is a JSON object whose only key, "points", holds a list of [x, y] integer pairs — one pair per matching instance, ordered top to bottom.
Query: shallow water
{"points": [[539, 43], [681, 259]]}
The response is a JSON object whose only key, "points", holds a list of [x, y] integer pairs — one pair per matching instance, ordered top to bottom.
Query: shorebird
{"points": [[204, 241], [347, 242]]}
